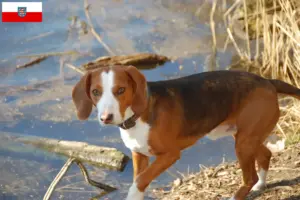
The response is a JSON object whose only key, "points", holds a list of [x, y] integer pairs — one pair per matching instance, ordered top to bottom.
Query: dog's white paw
{"points": [[261, 183], [258, 186], [134, 193]]}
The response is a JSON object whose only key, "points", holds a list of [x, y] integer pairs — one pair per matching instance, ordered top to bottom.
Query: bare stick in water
{"points": [[93, 31], [49, 54], [32, 62], [74, 68], [85, 173], [58, 177]]}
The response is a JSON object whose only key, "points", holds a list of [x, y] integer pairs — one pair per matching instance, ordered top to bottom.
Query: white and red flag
{"points": [[22, 12]]}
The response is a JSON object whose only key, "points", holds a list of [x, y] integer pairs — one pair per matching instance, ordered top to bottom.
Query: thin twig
{"points": [[236, 3], [260, 13], [93, 31], [247, 31], [257, 34], [288, 34], [40, 36], [234, 43], [226, 44], [50, 54], [213, 58], [33, 62], [74, 68], [85, 173], [171, 173], [58, 177], [71, 185]]}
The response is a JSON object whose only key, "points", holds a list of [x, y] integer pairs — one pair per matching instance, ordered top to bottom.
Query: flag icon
{"points": [[22, 12]]}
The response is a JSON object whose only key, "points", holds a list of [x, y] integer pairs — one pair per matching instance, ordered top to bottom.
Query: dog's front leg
{"points": [[140, 163], [160, 164]]}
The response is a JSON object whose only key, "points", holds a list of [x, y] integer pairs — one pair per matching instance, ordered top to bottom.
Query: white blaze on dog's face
{"points": [[117, 92], [114, 104]]}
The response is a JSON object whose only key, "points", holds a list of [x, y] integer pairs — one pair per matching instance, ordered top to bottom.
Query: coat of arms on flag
{"points": [[22, 11]]}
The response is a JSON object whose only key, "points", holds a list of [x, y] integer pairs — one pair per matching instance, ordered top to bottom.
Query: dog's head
{"points": [[118, 92]]}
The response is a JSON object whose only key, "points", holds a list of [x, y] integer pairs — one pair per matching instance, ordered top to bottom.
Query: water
{"points": [[46, 109]]}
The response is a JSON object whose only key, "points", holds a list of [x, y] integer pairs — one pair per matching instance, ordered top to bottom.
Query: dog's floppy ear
{"points": [[81, 97], [139, 102]]}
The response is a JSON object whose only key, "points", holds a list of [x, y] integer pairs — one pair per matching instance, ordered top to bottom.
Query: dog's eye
{"points": [[120, 91], [96, 92]]}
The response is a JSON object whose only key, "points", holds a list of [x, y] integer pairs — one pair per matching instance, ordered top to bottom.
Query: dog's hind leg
{"points": [[255, 121], [249, 150], [246, 157], [262, 157]]}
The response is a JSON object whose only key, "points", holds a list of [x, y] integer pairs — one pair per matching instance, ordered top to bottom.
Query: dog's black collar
{"points": [[129, 123]]}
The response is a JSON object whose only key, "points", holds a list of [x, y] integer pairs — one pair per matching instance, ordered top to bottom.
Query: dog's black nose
{"points": [[107, 118]]}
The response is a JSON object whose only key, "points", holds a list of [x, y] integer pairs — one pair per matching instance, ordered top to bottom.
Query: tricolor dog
{"points": [[163, 118]]}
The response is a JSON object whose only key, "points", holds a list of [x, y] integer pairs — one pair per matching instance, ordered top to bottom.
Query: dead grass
{"points": [[274, 27], [220, 182]]}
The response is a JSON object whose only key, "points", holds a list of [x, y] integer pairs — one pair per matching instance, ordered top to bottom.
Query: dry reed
{"points": [[277, 50]]}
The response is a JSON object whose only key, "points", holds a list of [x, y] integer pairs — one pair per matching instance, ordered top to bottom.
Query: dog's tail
{"points": [[285, 88]]}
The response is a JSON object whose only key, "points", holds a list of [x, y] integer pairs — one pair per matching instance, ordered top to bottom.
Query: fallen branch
{"points": [[140, 61], [77, 152], [99, 156]]}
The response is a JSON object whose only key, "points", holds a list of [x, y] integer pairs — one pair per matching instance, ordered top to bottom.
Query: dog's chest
{"points": [[136, 138]]}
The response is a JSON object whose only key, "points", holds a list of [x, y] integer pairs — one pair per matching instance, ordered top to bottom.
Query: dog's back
{"points": [[210, 95]]}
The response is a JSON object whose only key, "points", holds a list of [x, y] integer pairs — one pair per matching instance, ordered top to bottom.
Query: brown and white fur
{"points": [[172, 115]]}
